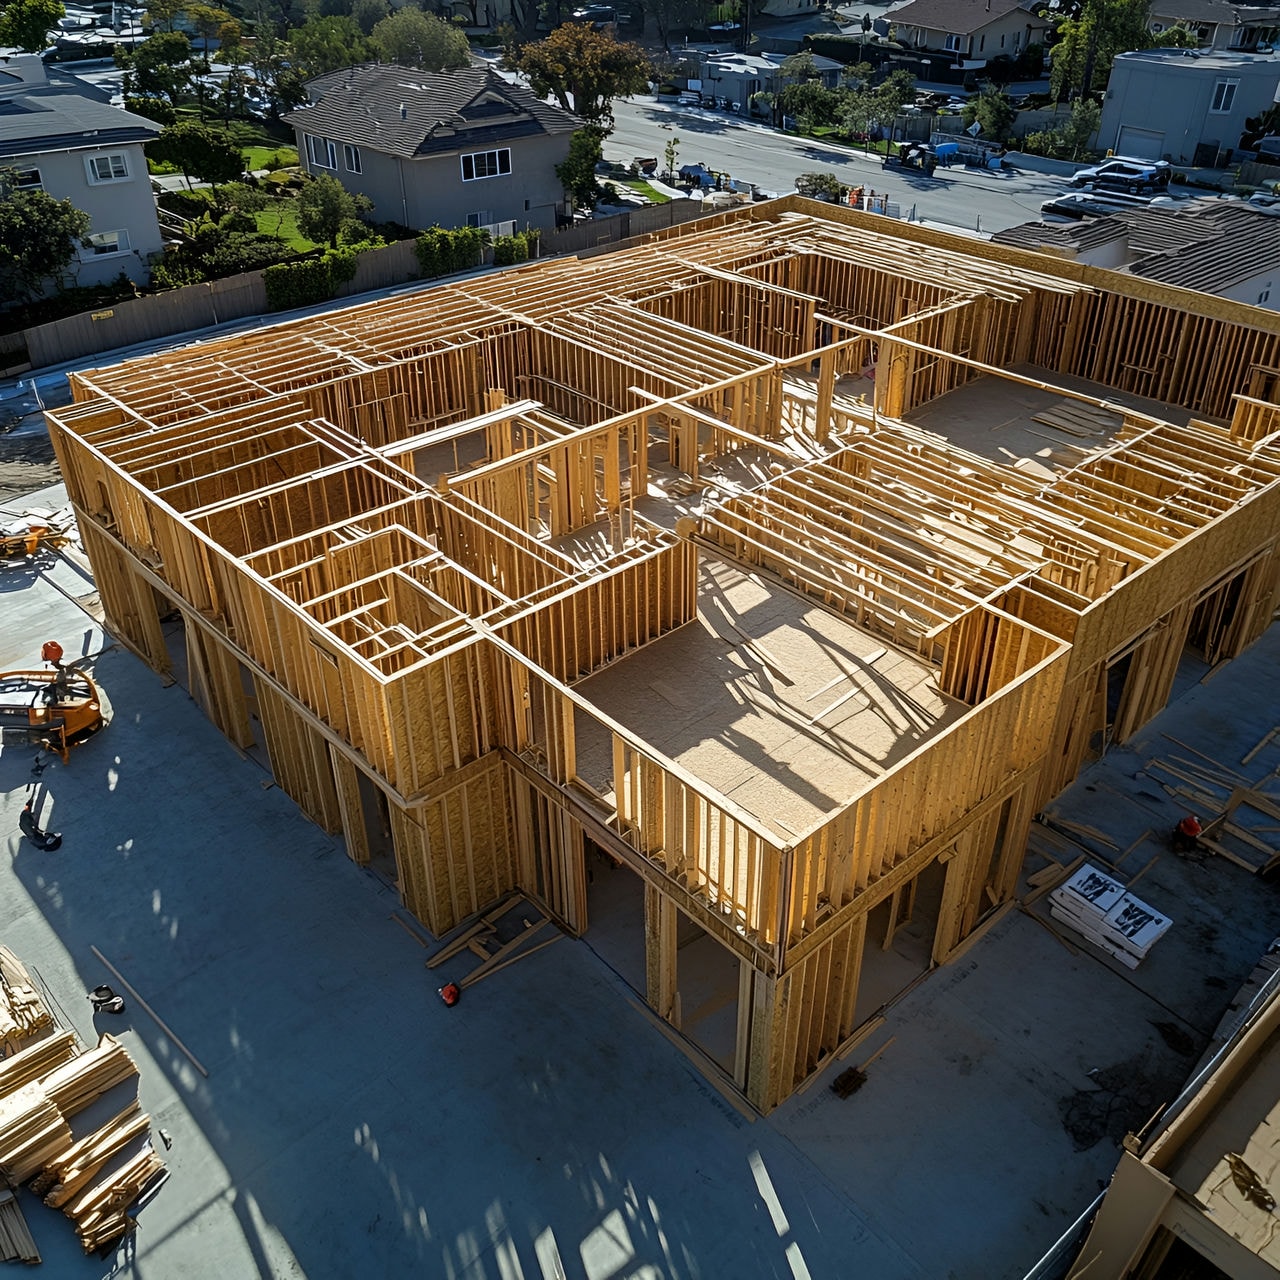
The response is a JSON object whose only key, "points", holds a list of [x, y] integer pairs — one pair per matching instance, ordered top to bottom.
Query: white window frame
{"points": [[953, 43], [1224, 96], [321, 153], [500, 157], [351, 158], [117, 167], [27, 178], [104, 244]]}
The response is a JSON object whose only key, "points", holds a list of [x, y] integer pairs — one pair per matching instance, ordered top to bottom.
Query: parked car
{"points": [[1122, 173], [1090, 204]]}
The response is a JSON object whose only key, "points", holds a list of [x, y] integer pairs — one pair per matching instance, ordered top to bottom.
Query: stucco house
{"points": [[1219, 24], [971, 31], [737, 76], [1188, 106], [453, 148], [82, 150]]}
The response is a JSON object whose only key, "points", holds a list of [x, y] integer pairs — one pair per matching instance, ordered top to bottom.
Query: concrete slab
{"points": [[352, 1125]]}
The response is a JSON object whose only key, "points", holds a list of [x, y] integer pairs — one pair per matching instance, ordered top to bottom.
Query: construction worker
{"points": [[27, 824], [1186, 834]]}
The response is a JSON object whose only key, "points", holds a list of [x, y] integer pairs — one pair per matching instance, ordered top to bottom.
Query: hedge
{"points": [[301, 283]]}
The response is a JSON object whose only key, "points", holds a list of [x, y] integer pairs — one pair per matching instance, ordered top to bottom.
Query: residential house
{"points": [[1219, 24], [971, 31], [737, 76], [1188, 106], [454, 148], [85, 151], [1224, 247]]}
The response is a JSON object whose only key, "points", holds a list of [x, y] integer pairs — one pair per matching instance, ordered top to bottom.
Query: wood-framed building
{"points": [[665, 553]]}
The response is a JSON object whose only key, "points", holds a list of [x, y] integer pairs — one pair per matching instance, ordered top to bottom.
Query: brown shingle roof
{"points": [[960, 17], [412, 113]]}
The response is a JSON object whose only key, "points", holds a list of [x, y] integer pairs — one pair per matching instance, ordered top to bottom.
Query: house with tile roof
{"points": [[971, 31], [451, 149], [90, 153], [1226, 247]]}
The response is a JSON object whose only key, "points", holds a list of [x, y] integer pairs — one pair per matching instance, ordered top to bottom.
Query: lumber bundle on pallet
{"points": [[1102, 910], [23, 1012], [36, 1060], [74, 1085], [32, 1133], [68, 1175], [101, 1214], [16, 1243]]}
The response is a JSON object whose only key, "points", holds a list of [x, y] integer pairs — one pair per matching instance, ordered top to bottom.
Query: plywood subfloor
{"points": [[995, 417], [741, 720]]}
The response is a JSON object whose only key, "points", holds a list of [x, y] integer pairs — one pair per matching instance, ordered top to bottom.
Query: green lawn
{"points": [[281, 157], [640, 187], [280, 219]]}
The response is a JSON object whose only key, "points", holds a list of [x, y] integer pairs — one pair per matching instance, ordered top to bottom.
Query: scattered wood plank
{"points": [[1251, 754]]}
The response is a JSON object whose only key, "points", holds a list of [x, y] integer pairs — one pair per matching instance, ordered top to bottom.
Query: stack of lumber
{"points": [[1108, 915], [23, 1012], [36, 1060], [74, 1085], [32, 1132], [76, 1168], [100, 1213], [16, 1244]]}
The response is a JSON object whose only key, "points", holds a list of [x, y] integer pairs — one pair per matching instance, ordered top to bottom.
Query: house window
{"points": [[982, 43], [953, 44], [1224, 94], [322, 153], [351, 157], [486, 164], [107, 167], [27, 179], [481, 218], [102, 243]]}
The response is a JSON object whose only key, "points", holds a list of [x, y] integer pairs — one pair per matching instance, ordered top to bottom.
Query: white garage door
{"points": [[1141, 144]]}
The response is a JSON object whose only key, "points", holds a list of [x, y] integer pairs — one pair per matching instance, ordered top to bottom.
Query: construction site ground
{"points": [[351, 1124]]}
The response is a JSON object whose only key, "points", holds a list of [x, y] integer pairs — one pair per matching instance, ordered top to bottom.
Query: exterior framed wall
{"points": [[416, 618]]}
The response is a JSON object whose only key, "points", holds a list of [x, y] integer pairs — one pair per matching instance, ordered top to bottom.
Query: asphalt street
{"points": [[974, 199]]}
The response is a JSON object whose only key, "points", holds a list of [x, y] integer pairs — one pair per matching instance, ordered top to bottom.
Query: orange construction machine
{"points": [[55, 708]]}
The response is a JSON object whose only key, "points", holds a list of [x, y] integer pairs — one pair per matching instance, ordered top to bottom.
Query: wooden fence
{"points": [[200, 306]]}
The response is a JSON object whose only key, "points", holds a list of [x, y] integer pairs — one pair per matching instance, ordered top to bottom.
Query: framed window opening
{"points": [[1224, 94], [322, 153], [351, 158], [486, 164], [107, 166], [102, 244]]}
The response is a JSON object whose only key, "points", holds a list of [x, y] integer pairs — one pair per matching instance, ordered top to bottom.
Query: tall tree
{"points": [[368, 13], [670, 16], [26, 24], [1089, 37], [416, 39], [327, 44], [161, 65], [584, 69], [991, 109], [201, 152], [578, 170], [325, 206], [39, 239]]}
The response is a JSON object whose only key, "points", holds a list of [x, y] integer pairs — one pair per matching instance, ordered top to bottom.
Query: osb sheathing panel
{"points": [[299, 758], [928, 793], [455, 853]]}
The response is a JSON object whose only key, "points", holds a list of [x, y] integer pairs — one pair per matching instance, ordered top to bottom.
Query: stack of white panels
{"points": [[1099, 907]]}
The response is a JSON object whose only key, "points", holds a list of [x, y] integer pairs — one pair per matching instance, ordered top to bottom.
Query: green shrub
{"points": [[156, 109], [442, 252], [310, 280]]}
